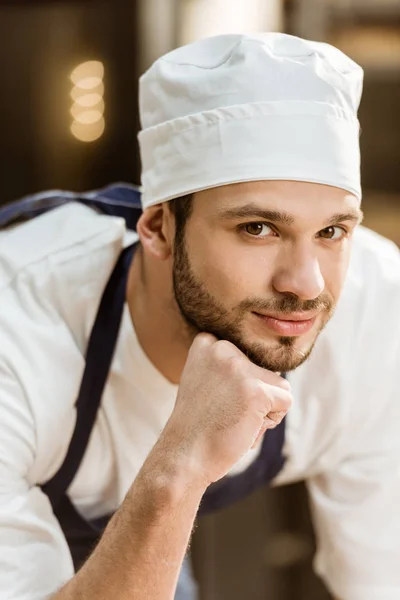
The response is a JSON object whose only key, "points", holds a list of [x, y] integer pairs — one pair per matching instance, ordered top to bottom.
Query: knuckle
{"points": [[203, 340], [200, 346], [222, 349], [236, 367], [285, 385], [249, 387], [258, 392], [281, 399], [286, 401], [277, 417]]}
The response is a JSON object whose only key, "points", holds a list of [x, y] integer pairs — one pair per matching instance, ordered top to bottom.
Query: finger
{"points": [[203, 340], [225, 350], [258, 372], [270, 377], [270, 398], [277, 416]]}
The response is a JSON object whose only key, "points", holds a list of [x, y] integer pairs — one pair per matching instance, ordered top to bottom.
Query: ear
{"points": [[156, 229]]}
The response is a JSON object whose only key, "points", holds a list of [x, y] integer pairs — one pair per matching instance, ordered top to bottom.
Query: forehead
{"points": [[302, 200]]}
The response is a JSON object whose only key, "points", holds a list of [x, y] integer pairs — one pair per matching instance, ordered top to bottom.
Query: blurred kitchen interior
{"points": [[80, 133]]}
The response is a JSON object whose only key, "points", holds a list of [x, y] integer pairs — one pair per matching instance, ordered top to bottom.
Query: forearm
{"points": [[219, 413], [142, 549]]}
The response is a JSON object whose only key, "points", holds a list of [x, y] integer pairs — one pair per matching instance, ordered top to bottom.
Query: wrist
{"points": [[171, 475]]}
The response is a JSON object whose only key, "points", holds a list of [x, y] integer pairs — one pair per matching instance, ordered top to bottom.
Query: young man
{"points": [[251, 197]]}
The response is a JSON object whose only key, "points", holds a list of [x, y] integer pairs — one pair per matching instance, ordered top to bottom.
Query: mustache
{"points": [[288, 303]]}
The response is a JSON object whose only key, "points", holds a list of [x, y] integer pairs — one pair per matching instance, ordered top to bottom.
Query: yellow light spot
{"points": [[91, 69], [88, 83], [78, 93], [88, 100], [78, 109], [88, 117], [88, 133]]}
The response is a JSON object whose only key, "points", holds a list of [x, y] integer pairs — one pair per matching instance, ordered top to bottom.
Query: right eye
{"points": [[257, 229]]}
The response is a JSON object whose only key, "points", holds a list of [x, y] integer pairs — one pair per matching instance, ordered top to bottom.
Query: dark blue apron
{"points": [[124, 201]]}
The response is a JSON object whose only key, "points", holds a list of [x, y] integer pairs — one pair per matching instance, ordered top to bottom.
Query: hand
{"points": [[222, 407]]}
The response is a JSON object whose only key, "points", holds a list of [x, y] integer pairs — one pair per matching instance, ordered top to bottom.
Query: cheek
{"points": [[334, 267], [230, 270]]}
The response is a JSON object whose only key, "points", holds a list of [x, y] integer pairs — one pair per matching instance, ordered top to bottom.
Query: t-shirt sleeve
{"points": [[356, 507], [34, 557]]}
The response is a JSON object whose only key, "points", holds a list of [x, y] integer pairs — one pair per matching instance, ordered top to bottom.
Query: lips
{"points": [[289, 325]]}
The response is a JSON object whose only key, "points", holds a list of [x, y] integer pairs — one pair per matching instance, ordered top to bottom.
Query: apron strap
{"points": [[120, 200], [99, 356]]}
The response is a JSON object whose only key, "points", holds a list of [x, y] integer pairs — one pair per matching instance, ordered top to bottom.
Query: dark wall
{"points": [[40, 44], [380, 139]]}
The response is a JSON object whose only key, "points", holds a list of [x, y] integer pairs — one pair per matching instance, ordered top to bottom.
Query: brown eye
{"points": [[256, 229], [332, 233]]}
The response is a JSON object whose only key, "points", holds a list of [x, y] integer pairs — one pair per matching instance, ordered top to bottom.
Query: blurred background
{"points": [[68, 110]]}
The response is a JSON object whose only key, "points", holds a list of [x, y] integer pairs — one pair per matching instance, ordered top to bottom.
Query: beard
{"points": [[203, 313]]}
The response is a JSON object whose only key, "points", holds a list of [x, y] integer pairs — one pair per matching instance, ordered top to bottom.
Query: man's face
{"points": [[262, 264]]}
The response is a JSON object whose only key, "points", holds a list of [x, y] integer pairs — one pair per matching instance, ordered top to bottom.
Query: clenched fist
{"points": [[224, 404]]}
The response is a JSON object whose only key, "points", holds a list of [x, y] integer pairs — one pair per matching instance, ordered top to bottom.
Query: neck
{"points": [[159, 326]]}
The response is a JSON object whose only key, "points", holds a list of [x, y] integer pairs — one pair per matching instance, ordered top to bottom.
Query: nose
{"points": [[298, 272]]}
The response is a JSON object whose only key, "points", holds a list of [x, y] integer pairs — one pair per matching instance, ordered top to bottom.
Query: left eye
{"points": [[257, 229], [332, 233]]}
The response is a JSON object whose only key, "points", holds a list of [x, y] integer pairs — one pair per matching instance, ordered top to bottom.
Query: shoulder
{"points": [[59, 235], [375, 259], [52, 273], [371, 295], [367, 316], [363, 337]]}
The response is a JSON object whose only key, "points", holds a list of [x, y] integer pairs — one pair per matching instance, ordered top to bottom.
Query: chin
{"points": [[282, 354], [296, 355]]}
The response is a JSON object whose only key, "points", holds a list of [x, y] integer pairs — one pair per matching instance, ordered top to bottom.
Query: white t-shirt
{"points": [[343, 431]]}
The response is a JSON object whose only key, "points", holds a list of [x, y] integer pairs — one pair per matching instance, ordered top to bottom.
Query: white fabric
{"points": [[237, 108], [342, 432]]}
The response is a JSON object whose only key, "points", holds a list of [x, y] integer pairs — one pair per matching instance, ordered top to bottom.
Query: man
{"points": [[248, 239]]}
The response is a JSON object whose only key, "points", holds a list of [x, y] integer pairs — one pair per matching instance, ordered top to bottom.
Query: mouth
{"points": [[289, 325]]}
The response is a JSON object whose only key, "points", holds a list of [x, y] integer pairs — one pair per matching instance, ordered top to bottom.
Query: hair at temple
{"points": [[181, 208]]}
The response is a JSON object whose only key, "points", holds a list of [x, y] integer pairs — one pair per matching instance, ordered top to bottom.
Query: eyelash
{"points": [[245, 225], [242, 228], [343, 229]]}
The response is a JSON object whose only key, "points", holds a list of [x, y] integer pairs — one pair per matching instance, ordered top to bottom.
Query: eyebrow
{"points": [[353, 215], [276, 216]]}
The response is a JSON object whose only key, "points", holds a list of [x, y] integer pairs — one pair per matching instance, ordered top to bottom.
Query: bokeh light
{"points": [[88, 105], [88, 132]]}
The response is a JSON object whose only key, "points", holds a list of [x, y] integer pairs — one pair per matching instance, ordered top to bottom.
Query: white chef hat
{"points": [[235, 108]]}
